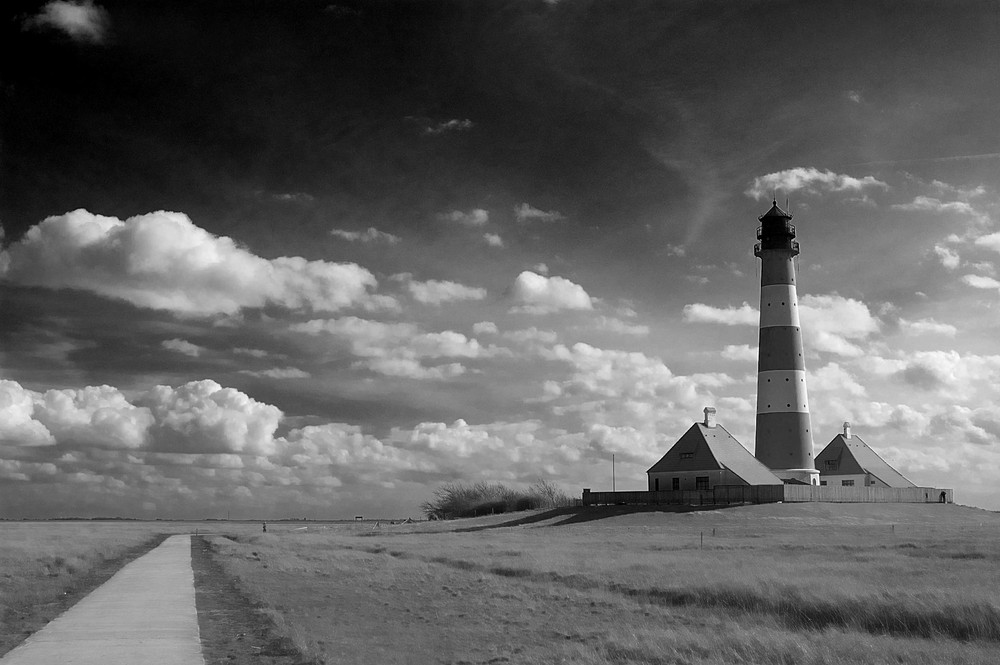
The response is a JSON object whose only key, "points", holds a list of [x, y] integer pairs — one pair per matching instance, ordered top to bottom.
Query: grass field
{"points": [[45, 567], [820, 583]]}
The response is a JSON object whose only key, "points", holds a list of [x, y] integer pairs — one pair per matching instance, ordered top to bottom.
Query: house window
{"points": [[687, 455], [831, 464], [701, 482], [822, 482], [676, 483], [847, 483], [656, 485]]}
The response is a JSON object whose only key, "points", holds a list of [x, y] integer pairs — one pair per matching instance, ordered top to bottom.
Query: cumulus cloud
{"points": [[82, 21], [810, 180], [961, 192], [525, 213], [474, 217], [370, 235], [493, 240], [990, 241], [949, 258], [161, 260], [981, 282], [437, 292], [537, 294], [744, 315], [830, 323], [833, 324], [927, 326], [485, 327], [532, 336], [182, 346], [396, 349], [740, 352], [410, 368], [619, 374], [962, 376], [835, 380], [98, 416], [202, 416], [197, 417], [17, 423], [628, 443], [341, 445]]}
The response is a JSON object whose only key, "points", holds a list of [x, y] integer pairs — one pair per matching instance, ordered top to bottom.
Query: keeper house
{"points": [[706, 456]]}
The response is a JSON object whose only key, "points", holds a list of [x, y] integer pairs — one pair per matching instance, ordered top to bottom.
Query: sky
{"points": [[315, 259]]}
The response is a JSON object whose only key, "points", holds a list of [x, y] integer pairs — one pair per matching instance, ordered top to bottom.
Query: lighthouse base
{"points": [[805, 476]]}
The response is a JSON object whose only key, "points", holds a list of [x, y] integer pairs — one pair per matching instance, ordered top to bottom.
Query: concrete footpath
{"points": [[144, 614]]}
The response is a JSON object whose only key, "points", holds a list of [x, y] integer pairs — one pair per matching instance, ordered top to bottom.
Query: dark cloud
{"points": [[921, 376]]}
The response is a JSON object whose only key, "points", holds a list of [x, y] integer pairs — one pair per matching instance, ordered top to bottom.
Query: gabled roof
{"points": [[714, 448], [855, 457]]}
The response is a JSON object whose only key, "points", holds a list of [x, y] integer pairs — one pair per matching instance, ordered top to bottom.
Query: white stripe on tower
{"points": [[784, 431]]}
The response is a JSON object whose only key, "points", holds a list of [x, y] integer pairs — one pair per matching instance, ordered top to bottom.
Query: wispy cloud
{"points": [[82, 21], [454, 125], [932, 160], [810, 180], [293, 197], [931, 204], [525, 213], [474, 217], [370, 235], [493, 240], [617, 326], [927, 327], [182, 346], [398, 349], [278, 373]]}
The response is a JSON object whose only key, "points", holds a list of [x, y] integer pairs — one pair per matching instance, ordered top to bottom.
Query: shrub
{"points": [[458, 499]]}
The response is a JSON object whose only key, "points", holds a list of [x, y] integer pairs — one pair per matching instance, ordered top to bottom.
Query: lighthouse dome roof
{"points": [[775, 211]]}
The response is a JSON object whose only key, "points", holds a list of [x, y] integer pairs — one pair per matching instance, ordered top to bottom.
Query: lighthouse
{"points": [[784, 432]]}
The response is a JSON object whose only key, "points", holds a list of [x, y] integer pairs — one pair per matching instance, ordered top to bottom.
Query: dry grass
{"points": [[44, 566], [770, 584]]}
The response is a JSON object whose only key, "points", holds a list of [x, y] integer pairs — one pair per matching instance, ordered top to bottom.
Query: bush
{"points": [[458, 499]]}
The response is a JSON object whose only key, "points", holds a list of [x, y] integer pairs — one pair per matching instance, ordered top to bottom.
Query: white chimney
{"points": [[709, 416], [847, 430]]}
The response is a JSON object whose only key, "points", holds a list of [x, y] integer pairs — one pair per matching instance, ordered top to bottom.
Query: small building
{"points": [[706, 456], [847, 461]]}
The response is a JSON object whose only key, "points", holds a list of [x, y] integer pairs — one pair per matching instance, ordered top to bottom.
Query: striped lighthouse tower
{"points": [[784, 432]]}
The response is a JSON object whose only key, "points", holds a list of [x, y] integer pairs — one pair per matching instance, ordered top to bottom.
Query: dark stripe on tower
{"points": [[780, 348], [793, 431]]}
